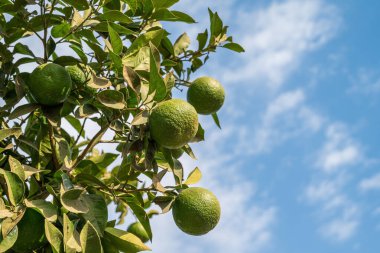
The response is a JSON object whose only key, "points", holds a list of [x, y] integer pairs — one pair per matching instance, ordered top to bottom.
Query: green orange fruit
{"points": [[78, 77], [49, 84], [206, 95], [173, 123], [196, 211], [138, 230], [31, 232]]}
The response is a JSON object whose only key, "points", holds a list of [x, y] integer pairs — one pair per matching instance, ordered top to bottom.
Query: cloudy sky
{"points": [[296, 165]]}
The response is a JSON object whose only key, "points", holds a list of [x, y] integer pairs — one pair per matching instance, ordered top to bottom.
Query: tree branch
{"points": [[90, 145]]}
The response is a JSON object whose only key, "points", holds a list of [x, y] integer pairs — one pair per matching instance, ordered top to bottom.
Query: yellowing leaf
{"points": [[4, 133], [194, 177], [125, 241]]}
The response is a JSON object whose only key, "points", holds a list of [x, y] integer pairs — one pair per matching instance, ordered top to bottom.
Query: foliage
{"points": [[130, 65]]}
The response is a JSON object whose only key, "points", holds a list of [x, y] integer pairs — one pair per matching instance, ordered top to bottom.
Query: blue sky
{"points": [[296, 165]]}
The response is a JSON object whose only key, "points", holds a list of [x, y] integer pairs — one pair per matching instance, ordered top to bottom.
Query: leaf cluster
{"points": [[130, 65]]}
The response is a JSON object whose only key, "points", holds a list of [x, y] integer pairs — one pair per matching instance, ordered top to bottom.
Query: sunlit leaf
{"points": [[112, 98], [194, 177], [74, 201], [54, 236], [90, 240], [125, 241]]}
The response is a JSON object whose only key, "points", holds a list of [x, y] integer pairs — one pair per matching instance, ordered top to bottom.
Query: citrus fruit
{"points": [[78, 77], [49, 84], [206, 95], [173, 123], [196, 211], [138, 230], [31, 232]]}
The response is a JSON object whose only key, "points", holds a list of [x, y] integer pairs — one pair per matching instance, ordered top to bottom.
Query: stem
{"points": [[44, 41], [80, 133], [90, 145], [53, 147]]}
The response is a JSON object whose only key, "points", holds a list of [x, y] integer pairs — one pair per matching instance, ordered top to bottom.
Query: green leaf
{"points": [[164, 3], [133, 4], [80, 5], [164, 15], [115, 16], [183, 17], [216, 24], [103, 27], [60, 30], [144, 39], [117, 44], [181, 44], [50, 45], [234, 47], [22, 49], [80, 53], [168, 63], [156, 83], [111, 98], [22, 110], [85, 111], [216, 119], [76, 124], [5, 133], [200, 135], [63, 149], [189, 151], [16, 167], [29, 171], [178, 171], [194, 177], [88, 179], [66, 182], [15, 186], [74, 201], [164, 202], [47, 209], [97, 213], [142, 216], [54, 236], [70, 236], [10, 239], [90, 239], [124, 241], [108, 246]]}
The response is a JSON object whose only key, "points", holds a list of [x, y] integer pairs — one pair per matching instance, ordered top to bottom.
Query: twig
{"points": [[80, 133], [90, 145], [53, 146]]}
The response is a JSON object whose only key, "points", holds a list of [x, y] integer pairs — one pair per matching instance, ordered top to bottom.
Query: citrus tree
{"points": [[101, 66]]}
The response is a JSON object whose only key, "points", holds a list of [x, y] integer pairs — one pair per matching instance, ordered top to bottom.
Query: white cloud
{"points": [[281, 35], [286, 116], [339, 149], [372, 183], [339, 216], [340, 229]]}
